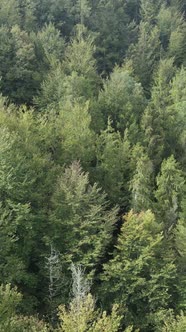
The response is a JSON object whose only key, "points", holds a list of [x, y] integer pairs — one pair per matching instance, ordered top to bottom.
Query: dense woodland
{"points": [[92, 165]]}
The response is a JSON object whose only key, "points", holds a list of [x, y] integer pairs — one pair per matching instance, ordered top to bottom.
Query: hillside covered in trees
{"points": [[92, 165]]}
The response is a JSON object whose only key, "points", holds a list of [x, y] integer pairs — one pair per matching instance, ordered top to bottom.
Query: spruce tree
{"points": [[170, 188], [142, 272]]}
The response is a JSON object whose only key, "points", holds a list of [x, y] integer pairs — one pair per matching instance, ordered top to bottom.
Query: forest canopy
{"points": [[92, 165]]}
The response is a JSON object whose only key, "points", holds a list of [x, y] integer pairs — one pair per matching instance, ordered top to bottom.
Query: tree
{"points": [[149, 10], [27, 11], [81, 11], [9, 13], [169, 20], [110, 22], [52, 42], [177, 45], [145, 54], [79, 59], [24, 66], [74, 79], [52, 90], [122, 100], [159, 119], [178, 129], [78, 138], [25, 168], [112, 169], [141, 185], [170, 186], [81, 223], [180, 236], [53, 267], [140, 276], [81, 315], [9, 320], [175, 324]]}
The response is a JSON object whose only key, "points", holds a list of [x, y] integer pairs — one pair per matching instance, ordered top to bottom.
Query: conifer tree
{"points": [[149, 10], [9, 13], [52, 42], [145, 54], [74, 79], [122, 99], [157, 120], [78, 140], [112, 169], [141, 185], [170, 188], [81, 223], [180, 240], [141, 275], [82, 315], [10, 321], [175, 324]]}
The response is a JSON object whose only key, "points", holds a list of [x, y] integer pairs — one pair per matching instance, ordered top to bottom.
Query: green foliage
{"points": [[27, 10], [149, 10], [81, 11], [9, 13], [169, 21], [112, 38], [52, 42], [145, 53], [79, 54], [79, 59], [23, 67], [74, 79], [52, 90], [122, 100], [163, 120], [178, 129], [127, 130], [78, 139], [112, 154], [141, 185], [170, 186], [24, 188], [81, 216], [180, 236], [140, 274], [9, 299], [82, 314], [85, 318], [9, 320], [177, 324]]}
